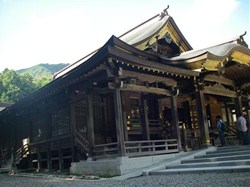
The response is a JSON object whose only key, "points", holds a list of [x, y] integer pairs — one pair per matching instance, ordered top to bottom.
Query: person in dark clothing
{"points": [[219, 124]]}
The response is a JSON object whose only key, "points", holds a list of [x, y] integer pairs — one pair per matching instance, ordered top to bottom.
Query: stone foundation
{"points": [[116, 166]]}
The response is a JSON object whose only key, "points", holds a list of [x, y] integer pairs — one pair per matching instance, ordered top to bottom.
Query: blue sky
{"points": [[63, 31]]}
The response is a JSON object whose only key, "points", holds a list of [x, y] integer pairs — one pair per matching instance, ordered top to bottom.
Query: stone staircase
{"points": [[224, 159], [6, 167]]}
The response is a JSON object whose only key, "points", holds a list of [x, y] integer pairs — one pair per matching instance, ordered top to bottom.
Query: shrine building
{"points": [[140, 98]]}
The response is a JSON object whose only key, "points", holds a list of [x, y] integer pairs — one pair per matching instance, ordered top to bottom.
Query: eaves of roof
{"points": [[214, 54]]}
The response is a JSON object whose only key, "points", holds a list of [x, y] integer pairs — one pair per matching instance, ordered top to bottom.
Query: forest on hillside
{"points": [[15, 85]]}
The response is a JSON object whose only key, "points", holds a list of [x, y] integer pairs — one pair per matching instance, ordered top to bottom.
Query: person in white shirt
{"points": [[242, 127]]}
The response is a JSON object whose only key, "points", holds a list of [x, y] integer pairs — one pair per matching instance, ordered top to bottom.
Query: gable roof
{"points": [[155, 29], [144, 35]]}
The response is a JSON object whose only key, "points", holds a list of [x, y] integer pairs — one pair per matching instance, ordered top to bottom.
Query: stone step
{"points": [[234, 147], [229, 149], [221, 154], [224, 158], [212, 164], [5, 169], [202, 170]]}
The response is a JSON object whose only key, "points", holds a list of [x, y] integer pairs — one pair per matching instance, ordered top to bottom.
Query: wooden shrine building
{"points": [[144, 94]]}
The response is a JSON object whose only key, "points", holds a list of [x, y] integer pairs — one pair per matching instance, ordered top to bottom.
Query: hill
{"points": [[42, 70]]}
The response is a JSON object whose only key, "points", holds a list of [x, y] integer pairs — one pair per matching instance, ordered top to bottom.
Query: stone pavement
{"points": [[182, 180]]}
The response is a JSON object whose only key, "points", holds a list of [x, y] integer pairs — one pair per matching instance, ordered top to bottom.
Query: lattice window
{"points": [[81, 118], [60, 122], [39, 128]]}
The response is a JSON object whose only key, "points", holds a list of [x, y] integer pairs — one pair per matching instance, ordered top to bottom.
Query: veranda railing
{"points": [[150, 147], [137, 148], [105, 150]]}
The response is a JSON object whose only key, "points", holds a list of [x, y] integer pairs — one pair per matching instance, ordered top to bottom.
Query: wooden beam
{"points": [[129, 48], [119, 54], [95, 70], [148, 78], [219, 79], [139, 88], [219, 90]]}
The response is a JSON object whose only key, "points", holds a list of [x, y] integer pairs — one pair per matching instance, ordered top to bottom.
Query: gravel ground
{"points": [[182, 180]]}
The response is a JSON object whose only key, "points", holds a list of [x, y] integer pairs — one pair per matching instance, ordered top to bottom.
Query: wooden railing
{"points": [[232, 130], [232, 135], [53, 139], [82, 141], [150, 147], [137, 148], [105, 150], [22, 152]]}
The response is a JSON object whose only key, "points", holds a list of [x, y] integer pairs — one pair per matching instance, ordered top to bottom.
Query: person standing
{"points": [[242, 127], [221, 128], [248, 128]]}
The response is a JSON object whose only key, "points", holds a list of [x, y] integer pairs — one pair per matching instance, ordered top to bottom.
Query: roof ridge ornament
{"points": [[164, 13], [241, 40]]}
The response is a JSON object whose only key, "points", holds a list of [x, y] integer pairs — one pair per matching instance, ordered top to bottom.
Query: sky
{"points": [[63, 31]]}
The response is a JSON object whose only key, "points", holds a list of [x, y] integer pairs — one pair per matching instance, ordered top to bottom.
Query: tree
{"points": [[41, 82], [14, 87]]}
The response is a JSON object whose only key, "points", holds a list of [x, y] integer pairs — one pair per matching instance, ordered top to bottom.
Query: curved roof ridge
{"points": [[137, 34], [234, 39], [214, 49], [221, 50]]}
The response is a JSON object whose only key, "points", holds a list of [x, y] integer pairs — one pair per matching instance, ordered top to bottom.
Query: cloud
{"points": [[212, 12], [207, 22], [51, 38]]}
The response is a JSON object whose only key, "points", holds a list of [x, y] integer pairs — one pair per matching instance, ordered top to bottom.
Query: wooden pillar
{"points": [[238, 105], [248, 113], [227, 114], [125, 117], [145, 118], [202, 118], [90, 120], [175, 120], [106, 121], [119, 121], [72, 131], [49, 135], [184, 137], [38, 158], [61, 163], [49, 164]]}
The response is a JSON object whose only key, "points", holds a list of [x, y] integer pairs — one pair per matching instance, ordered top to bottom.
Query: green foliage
{"points": [[42, 70], [41, 82], [15, 85]]}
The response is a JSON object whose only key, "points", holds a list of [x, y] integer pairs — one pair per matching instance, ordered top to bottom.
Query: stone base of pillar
{"points": [[206, 145]]}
